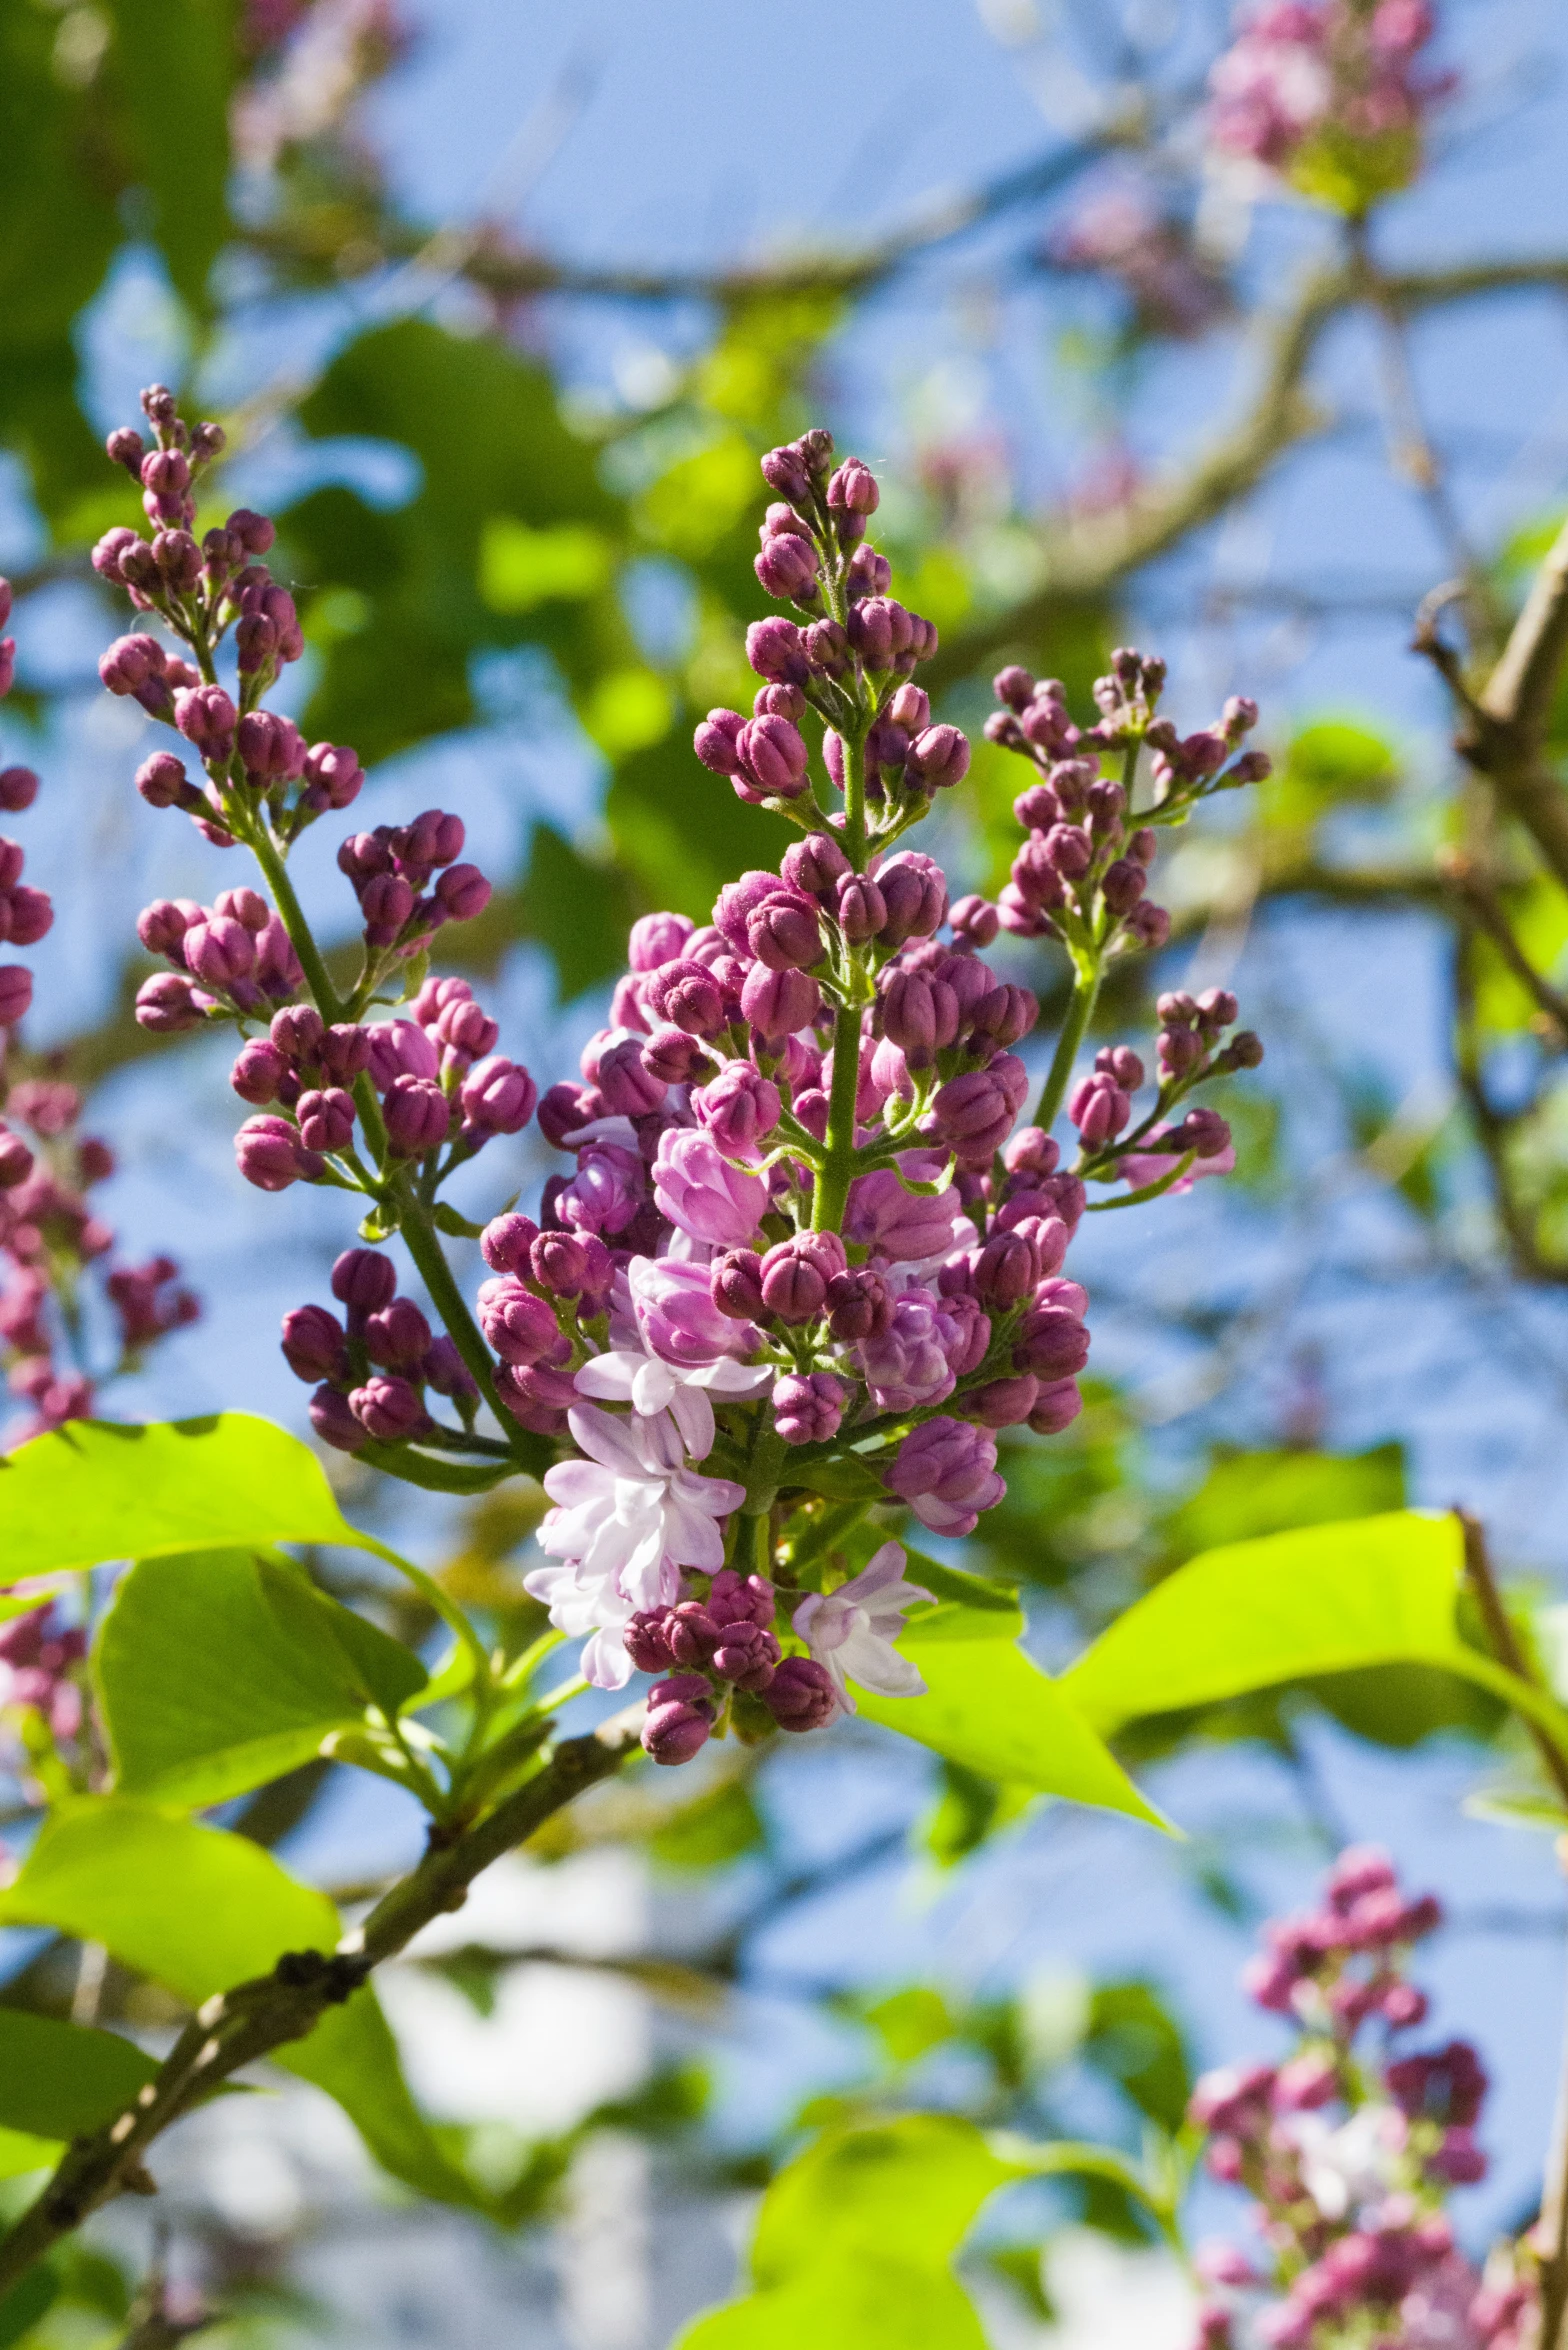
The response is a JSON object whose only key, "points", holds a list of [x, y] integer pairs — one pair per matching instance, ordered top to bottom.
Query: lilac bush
{"points": [[805, 1252]]}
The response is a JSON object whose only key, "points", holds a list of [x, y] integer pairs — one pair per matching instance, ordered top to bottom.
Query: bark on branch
{"points": [[240, 2026]]}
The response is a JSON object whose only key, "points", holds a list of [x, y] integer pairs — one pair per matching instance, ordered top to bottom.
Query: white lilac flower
{"points": [[627, 1519], [852, 1630]]}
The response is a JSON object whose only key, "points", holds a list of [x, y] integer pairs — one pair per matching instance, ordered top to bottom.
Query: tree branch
{"points": [[239, 2026]]}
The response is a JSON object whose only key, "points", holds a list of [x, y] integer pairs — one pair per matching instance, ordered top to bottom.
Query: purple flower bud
{"points": [[126, 447], [785, 470], [853, 488], [178, 558], [787, 567], [870, 574], [880, 630], [255, 643], [828, 648], [777, 651], [132, 664], [207, 718], [716, 741], [271, 748], [772, 756], [939, 758], [333, 777], [162, 781], [18, 789], [434, 838], [815, 865], [1124, 884], [914, 889], [464, 892], [387, 902], [244, 905], [861, 908], [25, 916], [161, 927], [784, 933], [658, 938], [218, 950], [16, 993], [687, 995], [779, 1003], [165, 1005], [1005, 1015], [467, 1028], [400, 1048], [675, 1058], [258, 1072], [628, 1089], [497, 1096], [740, 1109], [1099, 1109], [972, 1115], [418, 1116], [326, 1119], [270, 1154], [709, 1200], [507, 1241], [559, 1262], [1007, 1270], [796, 1273], [735, 1285], [520, 1326], [398, 1336], [1051, 1342], [314, 1346], [1004, 1403], [388, 1408], [808, 1408], [334, 1422], [946, 1471], [745, 1653], [801, 1694], [680, 1716]]}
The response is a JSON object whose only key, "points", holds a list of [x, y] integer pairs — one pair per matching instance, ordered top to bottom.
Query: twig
{"points": [[1481, 901], [237, 2027]]}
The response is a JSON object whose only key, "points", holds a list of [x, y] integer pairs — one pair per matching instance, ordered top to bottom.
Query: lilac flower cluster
{"points": [[1330, 94], [1118, 229], [49, 1237], [805, 1243], [1349, 2154]]}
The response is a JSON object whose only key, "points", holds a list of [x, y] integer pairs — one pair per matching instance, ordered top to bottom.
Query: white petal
{"points": [[610, 1376], [728, 1377], [655, 1387], [693, 1416], [613, 1443], [605, 1662], [877, 1666]]}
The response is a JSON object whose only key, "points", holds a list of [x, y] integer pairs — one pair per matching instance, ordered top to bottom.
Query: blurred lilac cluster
{"points": [[1331, 94], [56, 1354], [1349, 2151]]}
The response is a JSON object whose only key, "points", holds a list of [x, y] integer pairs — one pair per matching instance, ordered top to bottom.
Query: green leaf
{"points": [[520, 568], [95, 1490], [1246, 1494], [1326, 1599], [218, 1671], [988, 1707], [718, 1826], [201, 1911], [1133, 2039], [58, 2080], [855, 2244], [26, 2303]]}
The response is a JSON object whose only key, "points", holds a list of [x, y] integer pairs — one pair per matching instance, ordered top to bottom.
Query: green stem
{"points": [[1086, 988], [328, 1002], [831, 1189], [428, 1254]]}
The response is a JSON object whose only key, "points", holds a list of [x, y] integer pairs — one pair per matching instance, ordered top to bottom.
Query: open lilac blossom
{"points": [[852, 1630]]}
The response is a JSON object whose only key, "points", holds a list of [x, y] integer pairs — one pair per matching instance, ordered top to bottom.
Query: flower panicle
{"points": [[801, 1218]]}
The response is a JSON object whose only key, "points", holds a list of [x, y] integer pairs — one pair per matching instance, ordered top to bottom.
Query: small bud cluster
{"points": [[1330, 94], [852, 662], [1083, 871], [49, 1236], [371, 1366], [714, 1652], [41, 1657], [1350, 2155]]}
